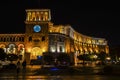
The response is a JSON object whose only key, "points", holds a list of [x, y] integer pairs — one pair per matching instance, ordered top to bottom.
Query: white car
{"points": [[3, 63]]}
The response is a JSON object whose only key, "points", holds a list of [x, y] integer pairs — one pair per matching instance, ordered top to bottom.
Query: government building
{"points": [[42, 36]]}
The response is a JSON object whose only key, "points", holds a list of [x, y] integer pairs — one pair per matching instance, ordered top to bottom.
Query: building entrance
{"points": [[35, 52]]}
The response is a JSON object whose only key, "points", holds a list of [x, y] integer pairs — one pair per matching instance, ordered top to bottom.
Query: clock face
{"points": [[37, 28]]}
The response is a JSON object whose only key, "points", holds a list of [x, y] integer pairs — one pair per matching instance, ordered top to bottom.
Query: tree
{"points": [[115, 52], [2, 54], [102, 56], [63, 57], [84, 57], [48, 59]]}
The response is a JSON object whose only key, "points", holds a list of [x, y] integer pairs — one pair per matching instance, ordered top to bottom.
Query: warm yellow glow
{"points": [[38, 15], [89, 41], [31, 43], [2, 45], [76, 47], [81, 49], [85, 49], [107, 49], [14, 50], [29, 50], [43, 50], [96, 50], [36, 51], [91, 51], [95, 56], [108, 58]]}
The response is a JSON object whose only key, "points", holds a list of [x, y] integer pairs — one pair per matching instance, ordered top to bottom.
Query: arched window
{"points": [[30, 38], [43, 38]]}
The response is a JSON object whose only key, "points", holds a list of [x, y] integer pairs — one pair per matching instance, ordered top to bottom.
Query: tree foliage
{"points": [[2, 54], [102, 56], [63, 57], [85, 57], [48, 59]]}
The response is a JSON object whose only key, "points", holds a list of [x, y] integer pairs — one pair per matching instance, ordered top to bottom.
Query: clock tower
{"points": [[37, 28]]}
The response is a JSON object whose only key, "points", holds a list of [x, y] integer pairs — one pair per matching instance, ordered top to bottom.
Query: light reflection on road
{"points": [[80, 77]]}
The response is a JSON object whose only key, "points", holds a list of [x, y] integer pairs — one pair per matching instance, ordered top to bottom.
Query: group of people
{"points": [[19, 66]]}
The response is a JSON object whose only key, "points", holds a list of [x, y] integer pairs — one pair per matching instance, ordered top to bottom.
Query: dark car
{"points": [[35, 62], [10, 66]]}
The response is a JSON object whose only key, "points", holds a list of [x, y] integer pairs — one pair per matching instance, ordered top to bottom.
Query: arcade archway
{"points": [[35, 52]]}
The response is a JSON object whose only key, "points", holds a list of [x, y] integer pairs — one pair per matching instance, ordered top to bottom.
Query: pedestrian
{"points": [[18, 63], [24, 64], [18, 67], [18, 70]]}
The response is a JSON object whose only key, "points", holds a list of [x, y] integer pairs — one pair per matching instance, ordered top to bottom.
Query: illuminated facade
{"points": [[41, 35]]}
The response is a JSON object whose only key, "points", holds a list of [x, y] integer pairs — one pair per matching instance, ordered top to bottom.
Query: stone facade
{"points": [[41, 35]]}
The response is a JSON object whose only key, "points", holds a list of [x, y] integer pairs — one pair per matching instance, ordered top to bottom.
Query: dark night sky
{"points": [[100, 22]]}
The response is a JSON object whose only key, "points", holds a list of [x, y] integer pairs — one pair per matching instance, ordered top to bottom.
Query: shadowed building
{"points": [[42, 36]]}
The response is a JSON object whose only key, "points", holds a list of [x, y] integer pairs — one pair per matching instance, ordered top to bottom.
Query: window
{"points": [[30, 38], [43, 38]]}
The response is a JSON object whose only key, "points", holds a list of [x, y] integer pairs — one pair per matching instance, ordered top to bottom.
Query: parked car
{"points": [[35, 62], [3, 63], [7, 65]]}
